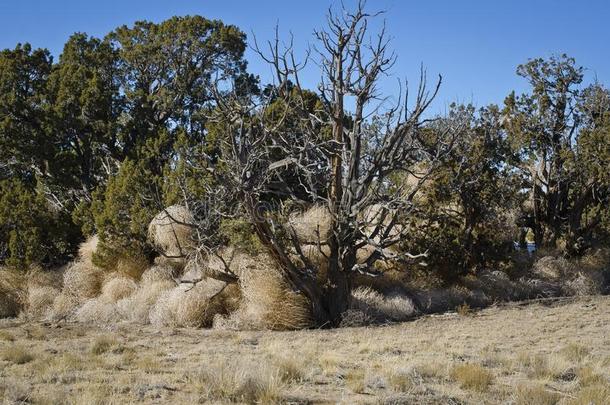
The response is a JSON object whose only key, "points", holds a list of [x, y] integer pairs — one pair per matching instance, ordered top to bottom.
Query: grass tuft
{"points": [[6, 336], [105, 343], [575, 352], [17, 354], [472, 377], [238, 382], [535, 395], [594, 395]]}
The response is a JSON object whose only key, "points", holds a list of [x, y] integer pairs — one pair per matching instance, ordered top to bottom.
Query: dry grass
{"points": [[311, 225], [170, 233], [87, 249], [132, 267], [158, 273], [83, 280], [117, 288], [40, 301], [268, 302], [64, 306], [188, 306], [136, 308], [382, 308], [464, 309], [6, 336], [105, 343], [525, 348], [575, 352], [17, 354], [472, 376], [403, 379], [354, 380], [243, 382], [528, 394], [594, 395]]}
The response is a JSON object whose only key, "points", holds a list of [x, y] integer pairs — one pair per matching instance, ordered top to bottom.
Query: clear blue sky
{"points": [[475, 44]]}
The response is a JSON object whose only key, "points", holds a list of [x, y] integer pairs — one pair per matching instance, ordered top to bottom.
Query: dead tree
{"points": [[371, 141]]}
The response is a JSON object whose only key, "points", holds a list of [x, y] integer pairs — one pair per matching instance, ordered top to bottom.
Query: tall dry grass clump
{"points": [[311, 224], [171, 231], [552, 267], [158, 272], [82, 279], [117, 288], [40, 301], [268, 301], [64, 306], [189, 306], [137, 307], [382, 308], [97, 311], [472, 376], [240, 382]]}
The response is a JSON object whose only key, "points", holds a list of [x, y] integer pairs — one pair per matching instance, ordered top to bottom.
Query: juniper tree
{"points": [[550, 133]]}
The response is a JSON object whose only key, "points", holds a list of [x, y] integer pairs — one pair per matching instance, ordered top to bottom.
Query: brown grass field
{"points": [[556, 351]]}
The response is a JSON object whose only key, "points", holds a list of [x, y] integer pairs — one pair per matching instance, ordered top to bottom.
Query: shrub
{"points": [[122, 212], [31, 231], [239, 234], [82, 280], [12, 292], [40, 300], [268, 302], [64, 306], [137, 307], [97, 311]]}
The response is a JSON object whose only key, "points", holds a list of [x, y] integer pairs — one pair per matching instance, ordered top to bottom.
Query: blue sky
{"points": [[476, 45]]}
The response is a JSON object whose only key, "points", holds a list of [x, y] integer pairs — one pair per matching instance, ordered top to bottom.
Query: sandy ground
{"points": [[555, 351]]}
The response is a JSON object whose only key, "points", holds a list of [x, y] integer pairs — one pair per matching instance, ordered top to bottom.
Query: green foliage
{"points": [[166, 73], [85, 104], [122, 126], [100, 129], [561, 134], [25, 142], [122, 212], [464, 221], [31, 232], [239, 233]]}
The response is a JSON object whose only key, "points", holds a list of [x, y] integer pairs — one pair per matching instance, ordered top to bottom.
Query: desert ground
{"points": [[542, 352]]}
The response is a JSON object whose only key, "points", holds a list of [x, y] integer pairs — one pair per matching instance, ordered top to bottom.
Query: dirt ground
{"points": [[555, 351]]}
